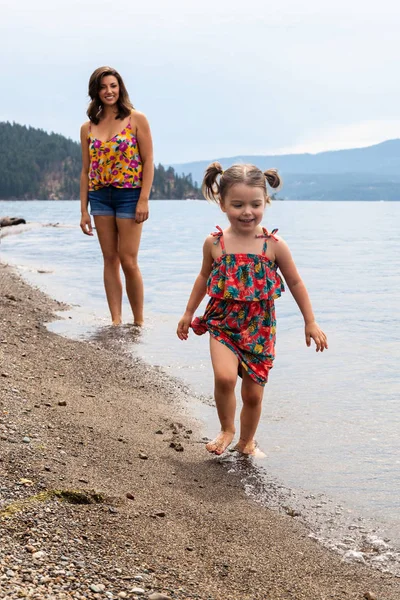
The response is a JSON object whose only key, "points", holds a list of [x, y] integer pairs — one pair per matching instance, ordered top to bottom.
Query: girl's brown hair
{"points": [[95, 107], [216, 190]]}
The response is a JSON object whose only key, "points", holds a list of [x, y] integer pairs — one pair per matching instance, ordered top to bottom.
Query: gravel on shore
{"points": [[106, 490]]}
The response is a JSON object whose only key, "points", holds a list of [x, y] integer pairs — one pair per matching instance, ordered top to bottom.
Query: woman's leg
{"points": [[108, 237], [129, 240], [225, 365], [252, 395]]}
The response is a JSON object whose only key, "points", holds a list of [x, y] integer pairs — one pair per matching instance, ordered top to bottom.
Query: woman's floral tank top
{"points": [[116, 162], [244, 277]]}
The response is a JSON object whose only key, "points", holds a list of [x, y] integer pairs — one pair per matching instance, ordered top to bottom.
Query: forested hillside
{"points": [[37, 165]]}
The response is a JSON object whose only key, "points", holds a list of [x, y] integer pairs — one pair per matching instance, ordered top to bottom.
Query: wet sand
{"points": [[162, 516]]}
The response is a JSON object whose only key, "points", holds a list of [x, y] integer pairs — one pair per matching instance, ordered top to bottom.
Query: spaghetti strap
{"points": [[219, 234], [266, 235]]}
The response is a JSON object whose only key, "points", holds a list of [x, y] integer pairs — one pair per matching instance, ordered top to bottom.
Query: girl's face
{"points": [[109, 90], [244, 206]]}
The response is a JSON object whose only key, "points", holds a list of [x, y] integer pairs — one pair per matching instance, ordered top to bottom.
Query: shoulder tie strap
{"points": [[219, 234], [266, 235]]}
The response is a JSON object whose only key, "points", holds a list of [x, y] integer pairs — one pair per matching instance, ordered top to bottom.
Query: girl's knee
{"points": [[111, 259], [225, 382], [252, 398]]}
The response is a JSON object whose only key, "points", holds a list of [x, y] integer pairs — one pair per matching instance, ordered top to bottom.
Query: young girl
{"points": [[116, 179], [239, 272]]}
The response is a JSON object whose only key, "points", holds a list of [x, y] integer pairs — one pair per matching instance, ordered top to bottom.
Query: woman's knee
{"points": [[111, 259], [129, 264]]}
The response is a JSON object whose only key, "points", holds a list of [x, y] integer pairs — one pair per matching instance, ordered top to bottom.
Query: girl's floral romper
{"points": [[241, 310]]}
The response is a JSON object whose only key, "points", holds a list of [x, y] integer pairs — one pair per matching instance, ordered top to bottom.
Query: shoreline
{"points": [[189, 530]]}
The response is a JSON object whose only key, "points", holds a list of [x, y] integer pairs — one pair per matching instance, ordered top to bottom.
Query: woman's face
{"points": [[109, 90]]}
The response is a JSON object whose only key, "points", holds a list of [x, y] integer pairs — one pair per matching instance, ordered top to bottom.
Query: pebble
{"points": [[62, 403], [26, 440], [143, 456], [130, 496], [39, 554], [138, 578], [97, 587], [138, 591], [122, 595], [157, 596], [370, 596]]}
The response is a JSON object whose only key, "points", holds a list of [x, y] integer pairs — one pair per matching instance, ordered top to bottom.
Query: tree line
{"points": [[38, 165]]}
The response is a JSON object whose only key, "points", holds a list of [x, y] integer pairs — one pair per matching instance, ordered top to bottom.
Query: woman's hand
{"points": [[142, 210], [86, 224], [183, 326], [313, 331]]}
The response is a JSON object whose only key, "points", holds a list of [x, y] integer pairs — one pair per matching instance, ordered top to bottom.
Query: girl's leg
{"points": [[108, 237], [129, 239], [225, 365], [252, 395]]}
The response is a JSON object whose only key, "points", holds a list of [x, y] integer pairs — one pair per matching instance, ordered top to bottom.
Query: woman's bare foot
{"points": [[116, 322], [138, 323], [221, 442], [249, 448]]}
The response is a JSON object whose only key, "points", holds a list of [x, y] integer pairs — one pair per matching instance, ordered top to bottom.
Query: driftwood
{"points": [[7, 221]]}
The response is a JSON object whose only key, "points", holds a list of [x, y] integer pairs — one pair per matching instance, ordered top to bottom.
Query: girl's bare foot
{"points": [[116, 322], [138, 323], [221, 442], [249, 448]]}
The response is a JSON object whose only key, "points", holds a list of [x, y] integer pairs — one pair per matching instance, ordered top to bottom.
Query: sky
{"points": [[215, 78]]}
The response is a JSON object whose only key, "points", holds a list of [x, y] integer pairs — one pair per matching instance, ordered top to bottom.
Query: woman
{"points": [[116, 179]]}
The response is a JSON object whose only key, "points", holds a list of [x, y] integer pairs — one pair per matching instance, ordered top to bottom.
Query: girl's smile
{"points": [[244, 206]]}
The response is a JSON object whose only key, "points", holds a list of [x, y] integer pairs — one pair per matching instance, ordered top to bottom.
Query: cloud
{"points": [[340, 137]]}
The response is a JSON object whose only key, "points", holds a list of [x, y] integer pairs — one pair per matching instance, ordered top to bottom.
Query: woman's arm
{"points": [[145, 144], [86, 223], [198, 291], [299, 292]]}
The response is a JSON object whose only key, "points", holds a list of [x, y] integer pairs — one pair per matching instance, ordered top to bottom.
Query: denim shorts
{"points": [[114, 202]]}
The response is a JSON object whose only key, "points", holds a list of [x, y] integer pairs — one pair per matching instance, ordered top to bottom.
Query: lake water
{"points": [[331, 421]]}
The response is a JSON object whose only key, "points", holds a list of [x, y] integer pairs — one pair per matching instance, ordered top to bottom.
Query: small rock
{"points": [[5, 374], [62, 403], [159, 432], [26, 440], [179, 448], [143, 456], [130, 496], [112, 510], [160, 513], [189, 548], [39, 554], [10, 573], [138, 578], [97, 587], [138, 591], [122, 595], [157, 596], [370, 596]]}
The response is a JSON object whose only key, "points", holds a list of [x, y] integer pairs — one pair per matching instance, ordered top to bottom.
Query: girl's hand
{"points": [[142, 210], [86, 224], [183, 327], [313, 331]]}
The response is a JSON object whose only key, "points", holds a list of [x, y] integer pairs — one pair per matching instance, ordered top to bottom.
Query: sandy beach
{"points": [[107, 491]]}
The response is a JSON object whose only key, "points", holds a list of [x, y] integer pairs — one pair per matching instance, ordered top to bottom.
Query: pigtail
{"points": [[273, 178], [210, 186]]}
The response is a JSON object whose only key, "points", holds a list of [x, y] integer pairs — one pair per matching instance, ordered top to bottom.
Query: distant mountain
{"points": [[35, 164], [371, 173]]}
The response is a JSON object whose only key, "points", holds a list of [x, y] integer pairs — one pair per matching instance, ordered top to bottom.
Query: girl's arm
{"points": [[145, 143], [86, 223], [198, 292], [299, 292]]}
